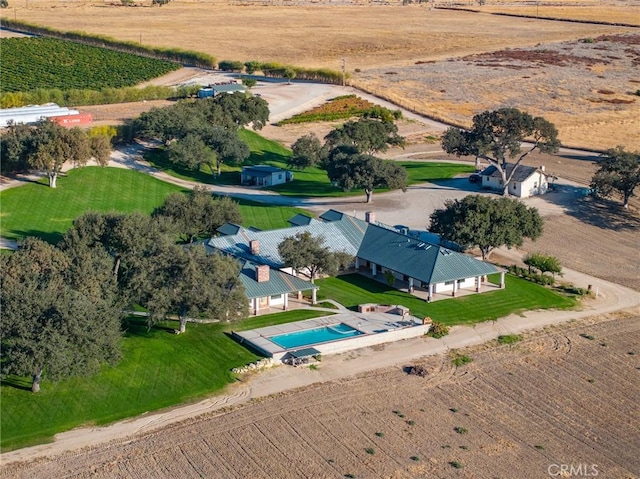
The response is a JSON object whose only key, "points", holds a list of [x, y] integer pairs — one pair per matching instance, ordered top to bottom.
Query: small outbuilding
{"points": [[215, 90], [264, 175], [526, 181]]}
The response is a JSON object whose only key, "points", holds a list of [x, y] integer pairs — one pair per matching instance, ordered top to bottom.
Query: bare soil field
{"points": [[388, 50], [566, 395]]}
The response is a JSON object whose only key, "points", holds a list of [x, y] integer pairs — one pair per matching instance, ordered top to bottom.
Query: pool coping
{"points": [[377, 328]]}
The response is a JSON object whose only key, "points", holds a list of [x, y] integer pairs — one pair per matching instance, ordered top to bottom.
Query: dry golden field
{"points": [[375, 39]]}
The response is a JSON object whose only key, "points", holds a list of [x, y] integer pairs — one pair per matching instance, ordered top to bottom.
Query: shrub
{"points": [[231, 66], [438, 330], [587, 336], [509, 338], [460, 359], [460, 430], [380, 434], [540, 447], [370, 450], [414, 458], [455, 464]]}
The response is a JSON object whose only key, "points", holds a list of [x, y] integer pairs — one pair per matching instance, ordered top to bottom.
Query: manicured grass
{"points": [[311, 182], [37, 210], [267, 217], [519, 295], [278, 318], [159, 369]]}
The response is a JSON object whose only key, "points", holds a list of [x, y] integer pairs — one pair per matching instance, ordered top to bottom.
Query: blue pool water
{"points": [[315, 336]]}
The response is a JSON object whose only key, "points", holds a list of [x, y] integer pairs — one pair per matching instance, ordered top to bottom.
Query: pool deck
{"points": [[378, 328]]}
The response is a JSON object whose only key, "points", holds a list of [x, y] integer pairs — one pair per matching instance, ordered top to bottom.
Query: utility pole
{"points": [[344, 65]]}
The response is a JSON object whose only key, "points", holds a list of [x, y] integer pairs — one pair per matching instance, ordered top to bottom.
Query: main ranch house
{"points": [[378, 250]]}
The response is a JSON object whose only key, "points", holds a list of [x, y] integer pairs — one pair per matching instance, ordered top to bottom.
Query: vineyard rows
{"points": [[29, 63]]}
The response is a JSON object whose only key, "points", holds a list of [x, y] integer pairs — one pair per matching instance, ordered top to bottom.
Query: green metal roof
{"points": [[420, 260], [279, 282]]}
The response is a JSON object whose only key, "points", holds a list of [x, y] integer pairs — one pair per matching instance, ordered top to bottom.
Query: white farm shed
{"points": [[32, 114]]}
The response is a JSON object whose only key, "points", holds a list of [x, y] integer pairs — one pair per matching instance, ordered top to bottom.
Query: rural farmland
{"points": [[515, 410]]}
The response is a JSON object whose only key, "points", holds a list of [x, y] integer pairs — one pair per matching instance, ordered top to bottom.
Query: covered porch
{"points": [[430, 292]]}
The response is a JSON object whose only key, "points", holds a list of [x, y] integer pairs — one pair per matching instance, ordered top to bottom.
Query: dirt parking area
{"points": [[567, 395]]}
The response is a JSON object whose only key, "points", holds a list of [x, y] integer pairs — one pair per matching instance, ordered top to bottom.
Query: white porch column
{"points": [[357, 262], [374, 269], [502, 280], [478, 283], [410, 284], [455, 285], [299, 295], [430, 295], [313, 296], [286, 301], [256, 305]]}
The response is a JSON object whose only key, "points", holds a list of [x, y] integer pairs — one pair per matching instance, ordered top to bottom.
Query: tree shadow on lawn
{"points": [[53, 237], [137, 326], [17, 382]]}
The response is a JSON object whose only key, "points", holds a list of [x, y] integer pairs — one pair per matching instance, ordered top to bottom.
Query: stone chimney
{"points": [[370, 217], [255, 247], [262, 273]]}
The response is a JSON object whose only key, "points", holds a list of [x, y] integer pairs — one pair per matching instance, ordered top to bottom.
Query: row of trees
{"points": [[204, 132], [48, 146], [347, 155], [62, 305]]}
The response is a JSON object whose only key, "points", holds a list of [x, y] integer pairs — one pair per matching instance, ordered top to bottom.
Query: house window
{"points": [[279, 176], [535, 185], [513, 186], [405, 277], [460, 281], [448, 283], [275, 297]]}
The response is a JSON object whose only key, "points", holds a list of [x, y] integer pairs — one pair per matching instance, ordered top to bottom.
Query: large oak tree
{"points": [[498, 137], [618, 171], [486, 223], [303, 251], [60, 314]]}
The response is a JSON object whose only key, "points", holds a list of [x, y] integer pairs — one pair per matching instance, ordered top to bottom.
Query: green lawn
{"points": [[311, 182], [37, 210], [519, 295], [159, 369]]}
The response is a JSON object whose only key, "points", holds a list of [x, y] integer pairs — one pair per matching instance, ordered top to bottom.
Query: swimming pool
{"points": [[315, 336]]}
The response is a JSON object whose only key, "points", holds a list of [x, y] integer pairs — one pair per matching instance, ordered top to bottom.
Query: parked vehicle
{"points": [[475, 178]]}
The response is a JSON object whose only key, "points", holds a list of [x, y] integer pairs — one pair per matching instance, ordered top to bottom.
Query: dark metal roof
{"points": [[261, 170], [522, 172], [331, 215], [300, 220], [229, 229], [418, 259], [279, 282], [304, 353]]}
